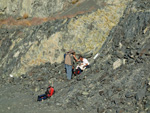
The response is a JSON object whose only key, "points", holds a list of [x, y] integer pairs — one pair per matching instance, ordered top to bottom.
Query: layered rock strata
{"points": [[26, 47]]}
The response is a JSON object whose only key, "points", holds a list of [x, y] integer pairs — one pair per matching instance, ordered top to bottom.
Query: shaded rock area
{"points": [[118, 81]]}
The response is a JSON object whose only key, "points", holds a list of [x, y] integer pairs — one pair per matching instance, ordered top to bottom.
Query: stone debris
{"points": [[117, 64], [118, 80]]}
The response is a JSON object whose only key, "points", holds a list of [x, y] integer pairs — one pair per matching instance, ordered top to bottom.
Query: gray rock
{"points": [[120, 54], [10, 80], [101, 92], [85, 93], [110, 93], [129, 94], [140, 94], [100, 110], [120, 111]]}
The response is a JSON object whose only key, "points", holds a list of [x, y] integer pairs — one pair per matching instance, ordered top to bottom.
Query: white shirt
{"points": [[85, 61]]}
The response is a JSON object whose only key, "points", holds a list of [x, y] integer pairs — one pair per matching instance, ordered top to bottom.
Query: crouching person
{"points": [[84, 64]]}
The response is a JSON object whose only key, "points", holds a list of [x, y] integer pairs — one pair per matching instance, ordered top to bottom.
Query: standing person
{"points": [[74, 56], [69, 63]]}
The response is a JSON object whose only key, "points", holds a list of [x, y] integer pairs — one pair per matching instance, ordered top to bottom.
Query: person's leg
{"points": [[87, 66], [65, 68], [80, 70], [69, 71], [40, 97]]}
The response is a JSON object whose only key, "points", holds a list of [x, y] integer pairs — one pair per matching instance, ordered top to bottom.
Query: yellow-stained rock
{"points": [[102, 20], [80, 37]]}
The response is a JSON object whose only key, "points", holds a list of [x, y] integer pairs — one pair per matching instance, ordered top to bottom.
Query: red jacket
{"points": [[50, 92]]}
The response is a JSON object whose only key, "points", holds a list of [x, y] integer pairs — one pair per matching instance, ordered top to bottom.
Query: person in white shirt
{"points": [[84, 61], [85, 64]]}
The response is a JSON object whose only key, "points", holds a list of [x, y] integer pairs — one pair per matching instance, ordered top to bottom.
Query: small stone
{"points": [[145, 30], [120, 45], [133, 52], [16, 54], [120, 54], [124, 61], [117, 64], [11, 75], [40, 79], [10, 80], [149, 83], [91, 86], [37, 89], [148, 89], [85, 93], [101, 93], [110, 93], [140, 94], [129, 95], [148, 97], [129, 103], [58, 104], [100, 110], [120, 111]]}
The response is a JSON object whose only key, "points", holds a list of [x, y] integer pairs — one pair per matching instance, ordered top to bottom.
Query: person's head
{"points": [[72, 52], [81, 58]]}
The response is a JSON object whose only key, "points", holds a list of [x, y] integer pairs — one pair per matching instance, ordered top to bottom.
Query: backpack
{"points": [[64, 56], [68, 59], [77, 71], [50, 91]]}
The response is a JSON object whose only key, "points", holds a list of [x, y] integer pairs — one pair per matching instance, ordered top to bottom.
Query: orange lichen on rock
{"points": [[25, 16], [45, 19], [24, 21], [2, 22], [28, 23]]}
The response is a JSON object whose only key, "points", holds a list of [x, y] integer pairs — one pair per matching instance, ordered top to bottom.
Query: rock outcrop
{"points": [[33, 8], [27, 47], [118, 80]]}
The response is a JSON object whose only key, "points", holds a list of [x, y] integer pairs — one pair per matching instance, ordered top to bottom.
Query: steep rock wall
{"points": [[34, 8], [26, 47]]}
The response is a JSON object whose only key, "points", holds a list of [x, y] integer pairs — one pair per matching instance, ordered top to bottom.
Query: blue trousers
{"points": [[68, 71], [42, 97]]}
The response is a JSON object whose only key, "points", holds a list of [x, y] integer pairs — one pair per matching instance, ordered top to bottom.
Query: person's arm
{"points": [[75, 58], [85, 65]]}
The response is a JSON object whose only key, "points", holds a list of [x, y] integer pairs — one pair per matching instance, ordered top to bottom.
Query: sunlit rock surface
{"points": [[49, 39]]}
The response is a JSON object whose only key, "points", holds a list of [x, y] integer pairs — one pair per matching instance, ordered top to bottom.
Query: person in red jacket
{"points": [[50, 91]]}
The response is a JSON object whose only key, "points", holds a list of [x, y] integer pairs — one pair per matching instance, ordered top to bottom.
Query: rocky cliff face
{"points": [[33, 8], [46, 40], [118, 80]]}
